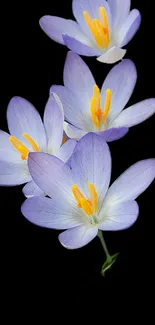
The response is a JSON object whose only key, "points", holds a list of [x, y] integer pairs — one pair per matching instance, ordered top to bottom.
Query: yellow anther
{"points": [[105, 24], [99, 28], [107, 105], [98, 116], [95, 119], [31, 141], [19, 146], [77, 194], [93, 197], [86, 206], [89, 206]]}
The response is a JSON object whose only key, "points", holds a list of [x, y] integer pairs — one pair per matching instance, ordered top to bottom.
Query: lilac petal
{"points": [[92, 7], [119, 10], [54, 27], [130, 27], [78, 46], [113, 55], [79, 79], [121, 80], [72, 107], [135, 114], [23, 118], [53, 121], [73, 132], [113, 133], [66, 150], [7, 151], [91, 163], [13, 170], [12, 174], [53, 177], [132, 182], [31, 189], [45, 212], [119, 216], [77, 237]]}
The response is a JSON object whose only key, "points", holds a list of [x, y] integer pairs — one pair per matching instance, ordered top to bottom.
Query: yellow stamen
{"points": [[105, 24], [99, 28], [99, 33], [107, 105], [95, 107], [93, 112], [99, 116], [31, 141], [19, 147], [77, 194], [93, 197], [85, 204], [89, 206]]}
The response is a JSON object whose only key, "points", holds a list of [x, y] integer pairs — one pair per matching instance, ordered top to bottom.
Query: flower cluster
{"points": [[65, 161]]}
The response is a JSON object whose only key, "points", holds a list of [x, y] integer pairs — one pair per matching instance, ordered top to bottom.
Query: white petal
{"points": [[119, 10], [129, 28], [112, 55], [79, 80], [121, 80], [135, 114], [23, 118], [53, 121], [73, 132], [66, 150], [91, 163], [132, 182], [31, 189], [47, 213], [119, 216], [77, 237]]}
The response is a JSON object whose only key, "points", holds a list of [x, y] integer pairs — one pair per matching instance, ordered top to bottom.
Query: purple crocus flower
{"points": [[101, 28], [87, 109], [28, 134], [80, 198]]}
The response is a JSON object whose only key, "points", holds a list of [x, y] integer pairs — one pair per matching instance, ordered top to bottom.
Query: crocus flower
{"points": [[101, 28], [87, 109], [30, 134], [81, 200]]}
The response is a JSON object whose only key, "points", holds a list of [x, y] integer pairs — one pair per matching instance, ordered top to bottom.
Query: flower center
{"points": [[99, 28], [99, 116], [19, 146], [88, 206]]}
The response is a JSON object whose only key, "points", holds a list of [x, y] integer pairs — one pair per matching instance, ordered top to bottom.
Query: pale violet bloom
{"points": [[101, 28], [89, 109], [29, 134], [81, 200]]}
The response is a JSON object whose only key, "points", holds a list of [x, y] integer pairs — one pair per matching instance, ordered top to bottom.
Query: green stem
{"points": [[100, 235]]}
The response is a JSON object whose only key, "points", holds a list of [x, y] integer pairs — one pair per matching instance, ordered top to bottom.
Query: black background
{"points": [[33, 263]]}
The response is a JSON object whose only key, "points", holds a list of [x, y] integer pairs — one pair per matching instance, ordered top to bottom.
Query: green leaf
{"points": [[108, 263]]}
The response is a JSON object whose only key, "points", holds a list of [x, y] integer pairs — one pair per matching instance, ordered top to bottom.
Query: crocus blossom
{"points": [[101, 28], [89, 109], [29, 134], [81, 200]]}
